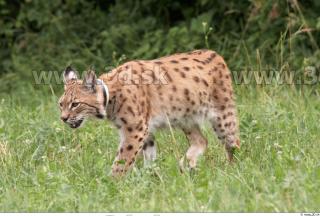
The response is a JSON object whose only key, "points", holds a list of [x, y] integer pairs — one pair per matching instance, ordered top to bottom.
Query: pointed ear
{"points": [[69, 74], [89, 80]]}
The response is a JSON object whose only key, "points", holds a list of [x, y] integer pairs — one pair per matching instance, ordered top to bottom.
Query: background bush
{"points": [[48, 35]]}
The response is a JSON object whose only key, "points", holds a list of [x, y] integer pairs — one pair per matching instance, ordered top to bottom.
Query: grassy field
{"points": [[46, 166]]}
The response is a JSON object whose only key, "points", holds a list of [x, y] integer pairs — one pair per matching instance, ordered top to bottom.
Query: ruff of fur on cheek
{"points": [[105, 93]]}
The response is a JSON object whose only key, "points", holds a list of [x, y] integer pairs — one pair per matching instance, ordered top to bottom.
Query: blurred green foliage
{"points": [[38, 35]]}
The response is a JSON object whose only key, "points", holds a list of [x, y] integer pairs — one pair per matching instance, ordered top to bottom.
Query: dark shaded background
{"points": [[40, 35]]}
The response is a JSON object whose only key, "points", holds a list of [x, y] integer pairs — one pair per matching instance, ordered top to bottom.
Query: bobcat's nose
{"points": [[64, 118]]}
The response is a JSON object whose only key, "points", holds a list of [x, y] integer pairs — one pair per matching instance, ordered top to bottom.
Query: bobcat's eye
{"points": [[60, 104], [75, 104]]}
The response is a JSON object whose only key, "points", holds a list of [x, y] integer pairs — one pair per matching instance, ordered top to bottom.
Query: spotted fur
{"points": [[182, 90]]}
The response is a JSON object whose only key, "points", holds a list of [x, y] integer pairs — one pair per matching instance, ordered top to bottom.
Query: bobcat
{"points": [[181, 90]]}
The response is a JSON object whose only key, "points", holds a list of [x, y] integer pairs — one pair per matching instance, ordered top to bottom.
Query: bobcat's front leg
{"points": [[132, 137]]}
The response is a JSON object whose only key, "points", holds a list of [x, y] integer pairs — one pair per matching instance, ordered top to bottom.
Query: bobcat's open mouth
{"points": [[76, 124]]}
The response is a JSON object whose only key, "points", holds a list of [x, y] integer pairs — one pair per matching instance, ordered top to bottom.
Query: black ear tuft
{"points": [[68, 69], [69, 74], [89, 80]]}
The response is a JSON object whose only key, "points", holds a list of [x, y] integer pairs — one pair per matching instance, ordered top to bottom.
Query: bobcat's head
{"points": [[82, 98]]}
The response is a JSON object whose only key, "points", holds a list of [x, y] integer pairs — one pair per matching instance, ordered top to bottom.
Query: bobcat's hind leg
{"points": [[226, 128], [198, 144], [149, 150]]}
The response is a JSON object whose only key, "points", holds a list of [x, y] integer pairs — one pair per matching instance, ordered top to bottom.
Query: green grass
{"points": [[46, 166]]}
